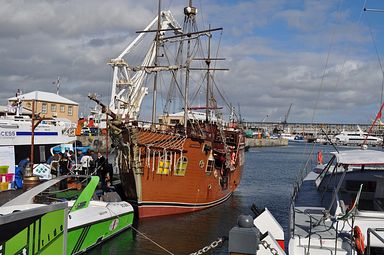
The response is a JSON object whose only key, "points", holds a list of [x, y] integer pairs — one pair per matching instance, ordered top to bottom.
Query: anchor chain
{"points": [[213, 245], [268, 247]]}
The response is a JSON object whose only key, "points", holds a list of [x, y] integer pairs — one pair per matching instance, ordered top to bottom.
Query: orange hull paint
{"points": [[166, 194]]}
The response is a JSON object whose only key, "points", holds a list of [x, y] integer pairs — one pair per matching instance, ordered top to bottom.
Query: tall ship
{"points": [[189, 157]]}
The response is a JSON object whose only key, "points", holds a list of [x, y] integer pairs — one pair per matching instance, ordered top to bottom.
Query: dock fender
{"points": [[265, 222]]}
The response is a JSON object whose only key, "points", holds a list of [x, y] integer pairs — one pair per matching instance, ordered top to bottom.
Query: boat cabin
{"points": [[355, 176]]}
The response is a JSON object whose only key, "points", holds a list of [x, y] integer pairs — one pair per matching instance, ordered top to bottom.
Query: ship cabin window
{"points": [[29, 105], [53, 107], [44, 108], [62, 108], [70, 110], [175, 121], [164, 165], [210, 165], [181, 166]]}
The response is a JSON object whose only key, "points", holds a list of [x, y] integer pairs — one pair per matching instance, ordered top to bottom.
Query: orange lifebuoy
{"points": [[359, 240]]}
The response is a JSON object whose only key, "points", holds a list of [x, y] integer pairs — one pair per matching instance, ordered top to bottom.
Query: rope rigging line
{"points": [[378, 59], [152, 241]]}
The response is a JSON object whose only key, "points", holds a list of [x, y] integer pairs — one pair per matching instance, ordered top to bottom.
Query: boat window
{"points": [[62, 108], [164, 164], [181, 166], [210, 166], [354, 185]]}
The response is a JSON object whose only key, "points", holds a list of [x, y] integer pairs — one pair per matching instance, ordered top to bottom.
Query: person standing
{"points": [[86, 162], [64, 164], [23, 165], [101, 169]]}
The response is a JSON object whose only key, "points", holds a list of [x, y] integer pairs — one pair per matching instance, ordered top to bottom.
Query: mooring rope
{"points": [[149, 239]]}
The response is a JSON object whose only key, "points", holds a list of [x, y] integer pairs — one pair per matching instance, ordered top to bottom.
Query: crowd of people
{"points": [[89, 163]]}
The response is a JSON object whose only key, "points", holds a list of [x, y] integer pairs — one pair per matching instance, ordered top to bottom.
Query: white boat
{"points": [[16, 130], [292, 137], [357, 138], [340, 209], [89, 222]]}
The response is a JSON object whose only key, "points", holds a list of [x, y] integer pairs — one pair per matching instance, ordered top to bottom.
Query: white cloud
{"points": [[276, 52]]}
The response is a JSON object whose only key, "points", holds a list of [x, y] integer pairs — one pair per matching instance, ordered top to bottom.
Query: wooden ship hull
{"points": [[165, 174]]}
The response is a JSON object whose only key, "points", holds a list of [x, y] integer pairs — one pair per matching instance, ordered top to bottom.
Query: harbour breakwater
{"points": [[265, 142]]}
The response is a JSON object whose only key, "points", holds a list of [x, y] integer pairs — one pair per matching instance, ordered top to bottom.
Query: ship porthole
{"points": [[201, 164]]}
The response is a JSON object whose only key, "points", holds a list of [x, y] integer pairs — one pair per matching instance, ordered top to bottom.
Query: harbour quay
{"points": [[312, 131]]}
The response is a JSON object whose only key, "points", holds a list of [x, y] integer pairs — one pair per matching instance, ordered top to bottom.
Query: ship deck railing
{"points": [[373, 231]]}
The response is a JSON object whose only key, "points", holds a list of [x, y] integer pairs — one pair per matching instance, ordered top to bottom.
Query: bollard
{"points": [[244, 238]]}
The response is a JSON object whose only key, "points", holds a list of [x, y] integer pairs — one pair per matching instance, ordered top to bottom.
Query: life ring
{"points": [[359, 240]]}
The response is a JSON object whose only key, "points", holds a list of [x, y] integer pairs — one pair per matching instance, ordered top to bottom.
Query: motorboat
{"points": [[16, 130], [292, 137], [357, 138], [340, 208], [337, 210], [88, 222]]}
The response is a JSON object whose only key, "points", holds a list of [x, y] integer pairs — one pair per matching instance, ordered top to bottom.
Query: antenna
{"points": [[57, 83]]}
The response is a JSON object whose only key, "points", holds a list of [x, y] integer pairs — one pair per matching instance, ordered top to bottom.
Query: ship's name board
{"points": [[7, 133]]}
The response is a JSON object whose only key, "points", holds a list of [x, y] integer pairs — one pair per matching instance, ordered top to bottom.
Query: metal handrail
{"points": [[310, 229], [374, 232]]}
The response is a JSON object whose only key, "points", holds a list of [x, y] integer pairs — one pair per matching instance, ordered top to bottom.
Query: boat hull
{"points": [[205, 181], [162, 209], [87, 236]]}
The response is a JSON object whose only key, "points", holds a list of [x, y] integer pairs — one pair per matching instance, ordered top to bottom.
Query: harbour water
{"points": [[267, 181]]}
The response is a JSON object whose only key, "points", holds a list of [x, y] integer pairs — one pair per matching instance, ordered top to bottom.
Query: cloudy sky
{"points": [[322, 56]]}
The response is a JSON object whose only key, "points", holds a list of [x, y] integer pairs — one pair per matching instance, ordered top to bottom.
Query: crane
{"points": [[287, 114]]}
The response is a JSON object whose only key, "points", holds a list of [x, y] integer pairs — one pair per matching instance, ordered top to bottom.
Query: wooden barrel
{"points": [[30, 181]]}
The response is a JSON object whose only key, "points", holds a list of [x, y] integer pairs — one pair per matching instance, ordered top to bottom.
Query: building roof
{"points": [[43, 96], [360, 157]]}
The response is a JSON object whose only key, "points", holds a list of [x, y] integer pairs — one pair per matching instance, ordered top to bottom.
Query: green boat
{"points": [[72, 227]]}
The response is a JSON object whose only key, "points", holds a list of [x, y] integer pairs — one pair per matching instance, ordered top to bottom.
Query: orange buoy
{"points": [[320, 158], [359, 240]]}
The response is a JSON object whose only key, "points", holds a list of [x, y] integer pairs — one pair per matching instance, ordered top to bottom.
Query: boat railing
{"points": [[373, 231]]}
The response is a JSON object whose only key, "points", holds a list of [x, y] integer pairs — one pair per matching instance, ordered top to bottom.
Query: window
{"points": [[53, 107], [44, 108], [62, 108], [70, 110], [164, 164], [210, 164], [181, 166]]}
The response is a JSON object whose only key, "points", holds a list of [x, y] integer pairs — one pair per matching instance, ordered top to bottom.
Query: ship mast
{"points": [[190, 13], [157, 44], [208, 62]]}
